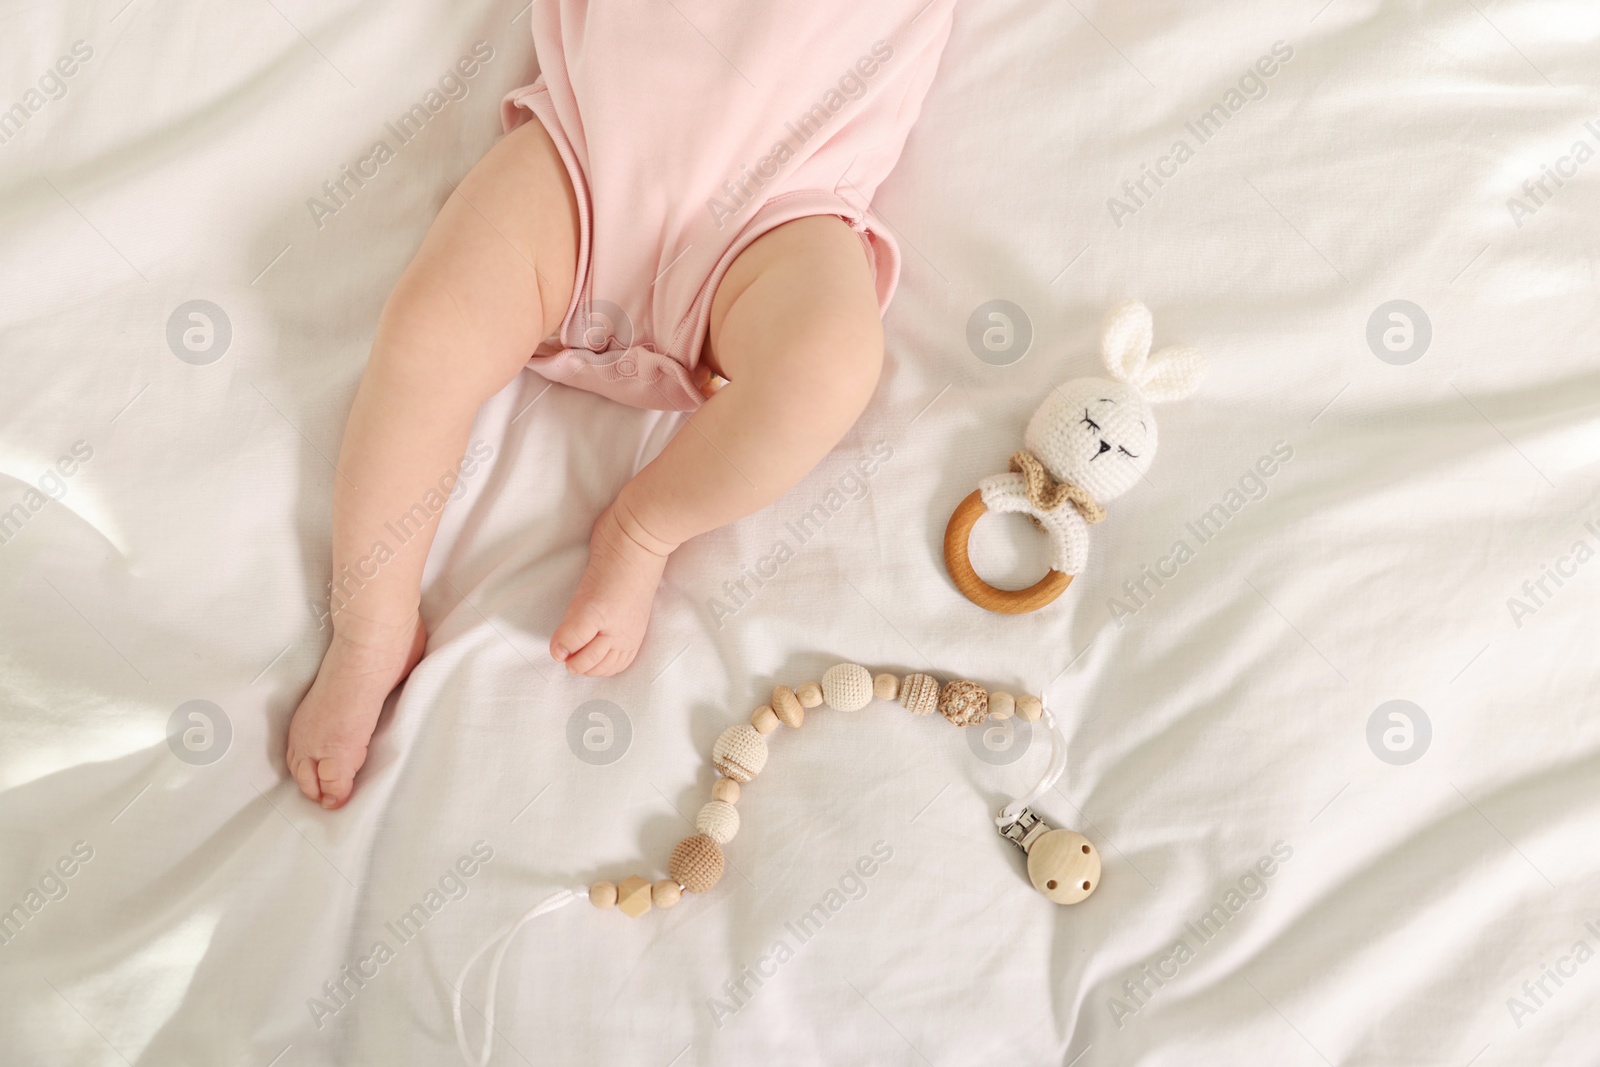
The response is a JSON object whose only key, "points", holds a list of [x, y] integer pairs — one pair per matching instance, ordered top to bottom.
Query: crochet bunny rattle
{"points": [[1090, 440]]}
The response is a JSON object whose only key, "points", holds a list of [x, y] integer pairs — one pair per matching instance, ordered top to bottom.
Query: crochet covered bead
{"points": [[847, 687], [919, 693], [964, 703], [788, 708], [740, 752], [719, 821], [696, 863]]}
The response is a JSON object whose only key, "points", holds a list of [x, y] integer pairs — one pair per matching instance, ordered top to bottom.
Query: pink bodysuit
{"points": [[690, 128]]}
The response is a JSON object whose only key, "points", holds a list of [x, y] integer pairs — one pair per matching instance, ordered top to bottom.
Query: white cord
{"points": [[1052, 773], [550, 903]]}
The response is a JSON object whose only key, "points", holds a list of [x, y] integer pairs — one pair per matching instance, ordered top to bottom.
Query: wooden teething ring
{"points": [[974, 588]]}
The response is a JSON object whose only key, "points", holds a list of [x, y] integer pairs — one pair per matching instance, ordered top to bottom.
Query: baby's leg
{"points": [[493, 277], [795, 329]]}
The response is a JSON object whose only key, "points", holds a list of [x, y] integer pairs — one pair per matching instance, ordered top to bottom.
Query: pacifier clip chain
{"points": [[1062, 865]]}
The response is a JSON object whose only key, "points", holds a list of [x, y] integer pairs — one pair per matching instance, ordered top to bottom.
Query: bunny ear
{"points": [[1125, 341], [1173, 374]]}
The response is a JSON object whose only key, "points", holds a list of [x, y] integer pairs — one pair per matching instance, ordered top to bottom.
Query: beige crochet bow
{"points": [[1047, 494]]}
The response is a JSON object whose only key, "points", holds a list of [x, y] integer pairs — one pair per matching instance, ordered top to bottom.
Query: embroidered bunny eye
{"points": [[1086, 420], [1125, 452]]}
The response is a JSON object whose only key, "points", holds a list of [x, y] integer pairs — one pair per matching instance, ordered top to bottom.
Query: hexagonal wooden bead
{"points": [[885, 686], [847, 687], [919, 693], [809, 694], [964, 703], [1002, 705], [788, 707], [1029, 708], [764, 719], [740, 752], [725, 790], [719, 821], [696, 863], [665, 893], [603, 894], [633, 896]]}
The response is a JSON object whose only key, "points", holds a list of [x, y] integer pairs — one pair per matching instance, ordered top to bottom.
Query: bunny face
{"points": [[1095, 433], [1099, 433]]}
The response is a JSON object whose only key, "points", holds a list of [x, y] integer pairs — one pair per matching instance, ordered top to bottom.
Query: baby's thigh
{"points": [[495, 273], [799, 301]]}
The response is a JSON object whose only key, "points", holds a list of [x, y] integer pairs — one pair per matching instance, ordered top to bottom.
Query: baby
{"points": [[689, 210]]}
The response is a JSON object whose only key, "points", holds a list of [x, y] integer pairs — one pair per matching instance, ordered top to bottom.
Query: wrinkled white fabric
{"points": [[1368, 531]]}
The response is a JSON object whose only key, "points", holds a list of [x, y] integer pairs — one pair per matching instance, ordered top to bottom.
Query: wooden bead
{"points": [[885, 686], [847, 687], [919, 693], [810, 695], [964, 703], [1002, 705], [1029, 708], [790, 711], [764, 719], [740, 753], [725, 790], [719, 821], [696, 863], [1064, 866], [665, 893], [603, 894], [633, 896]]}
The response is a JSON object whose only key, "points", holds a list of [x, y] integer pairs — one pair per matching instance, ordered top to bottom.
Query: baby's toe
{"points": [[578, 628], [590, 656], [616, 661], [609, 664], [304, 769], [335, 778]]}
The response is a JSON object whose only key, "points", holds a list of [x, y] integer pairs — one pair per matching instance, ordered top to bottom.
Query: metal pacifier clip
{"points": [[1062, 864]]}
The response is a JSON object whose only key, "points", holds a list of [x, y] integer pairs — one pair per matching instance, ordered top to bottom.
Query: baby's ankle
{"points": [[638, 522], [367, 633]]}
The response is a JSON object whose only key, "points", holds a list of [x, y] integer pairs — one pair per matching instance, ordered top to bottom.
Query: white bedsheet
{"points": [[1413, 909]]}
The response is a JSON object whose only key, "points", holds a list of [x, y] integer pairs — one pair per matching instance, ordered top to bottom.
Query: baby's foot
{"points": [[606, 619], [332, 726]]}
